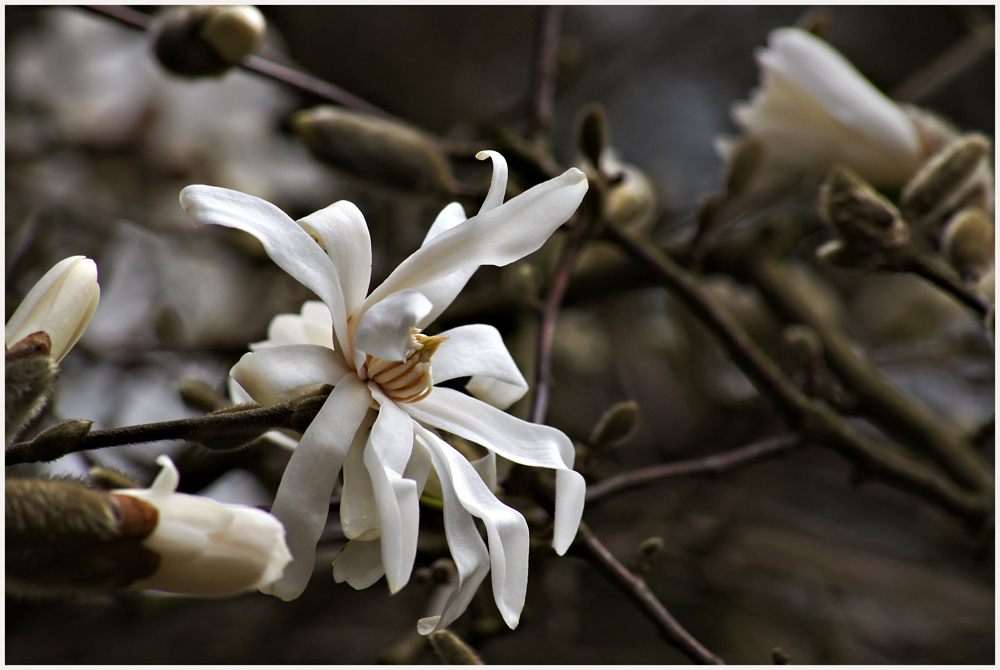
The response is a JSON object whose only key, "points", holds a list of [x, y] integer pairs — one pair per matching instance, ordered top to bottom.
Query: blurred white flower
{"points": [[814, 109], [60, 304], [378, 423], [207, 548]]}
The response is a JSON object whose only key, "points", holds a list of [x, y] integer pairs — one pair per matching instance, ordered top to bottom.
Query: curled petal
{"points": [[498, 183], [342, 230], [496, 237], [288, 245], [386, 329], [478, 351], [270, 373], [514, 439], [303, 499], [359, 563]]}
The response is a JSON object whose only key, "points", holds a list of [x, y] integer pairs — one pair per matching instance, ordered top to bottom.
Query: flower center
{"points": [[409, 380]]}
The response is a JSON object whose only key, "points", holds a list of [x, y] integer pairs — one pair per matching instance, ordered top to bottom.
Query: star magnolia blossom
{"points": [[815, 109], [378, 422]]}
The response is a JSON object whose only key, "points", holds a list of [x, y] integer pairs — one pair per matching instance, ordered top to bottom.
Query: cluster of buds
{"points": [[208, 40]]}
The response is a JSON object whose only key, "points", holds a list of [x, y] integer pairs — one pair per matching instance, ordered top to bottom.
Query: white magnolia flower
{"points": [[815, 109], [61, 304], [378, 423], [208, 548]]}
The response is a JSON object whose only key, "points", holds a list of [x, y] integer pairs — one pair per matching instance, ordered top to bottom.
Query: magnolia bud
{"points": [[207, 41], [592, 133], [376, 150], [745, 158], [955, 177], [866, 221], [968, 243], [61, 305], [30, 376], [616, 425], [61, 439], [206, 548], [450, 650]]}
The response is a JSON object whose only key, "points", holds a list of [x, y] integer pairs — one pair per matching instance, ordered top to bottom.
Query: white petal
{"points": [[498, 182], [342, 229], [496, 237], [288, 245], [442, 292], [61, 304], [313, 326], [386, 329], [478, 351], [270, 373], [514, 439], [419, 466], [487, 469], [303, 499], [358, 510], [507, 530], [472, 559], [359, 563]]}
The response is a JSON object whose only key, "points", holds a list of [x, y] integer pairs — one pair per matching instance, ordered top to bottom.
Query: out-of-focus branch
{"points": [[965, 53], [543, 87], [920, 264], [817, 423], [716, 464], [636, 589]]}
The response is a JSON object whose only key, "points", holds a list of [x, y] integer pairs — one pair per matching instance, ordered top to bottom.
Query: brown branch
{"points": [[942, 69], [543, 86], [912, 260], [715, 464], [638, 592]]}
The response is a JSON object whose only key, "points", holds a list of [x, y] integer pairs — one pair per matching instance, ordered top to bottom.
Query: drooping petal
{"points": [[498, 182], [344, 234], [496, 237], [288, 245], [442, 292], [61, 304], [386, 329], [478, 351], [269, 373], [514, 439], [303, 499], [359, 514], [507, 530], [472, 558], [359, 563]]}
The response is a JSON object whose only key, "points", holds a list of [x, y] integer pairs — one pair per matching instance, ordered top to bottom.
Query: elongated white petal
{"points": [[498, 182], [342, 229], [496, 237], [288, 245], [442, 292], [61, 304], [313, 326], [386, 329], [478, 351], [270, 373], [520, 441], [418, 468], [487, 469], [303, 499], [359, 514], [507, 530], [208, 548], [472, 559], [359, 563]]}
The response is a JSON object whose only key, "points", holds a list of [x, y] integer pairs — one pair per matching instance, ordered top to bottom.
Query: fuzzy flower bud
{"points": [[235, 32], [207, 41], [968, 243], [61, 305], [208, 548]]}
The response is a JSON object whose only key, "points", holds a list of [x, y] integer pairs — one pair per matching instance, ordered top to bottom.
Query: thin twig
{"points": [[262, 66], [942, 69], [543, 86], [921, 265], [715, 464], [636, 589]]}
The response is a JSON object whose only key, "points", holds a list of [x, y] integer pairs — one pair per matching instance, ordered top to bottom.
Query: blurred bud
{"points": [[818, 21], [235, 31], [206, 41], [592, 133], [383, 152], [745, 157], [955, 177], [631, 199], [866, 221], [969, 243], [61, 304], [804, 342], [30, 376], [201, 396], [617, 424], [61, 439], [107, 479], [64, 538], [206, 548], [651, 548], [450, 650], [780, 657]]}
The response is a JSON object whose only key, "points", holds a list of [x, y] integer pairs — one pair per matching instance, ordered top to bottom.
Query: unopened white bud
{"points": [[235, 31], [61, 305], [207, 548]]}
